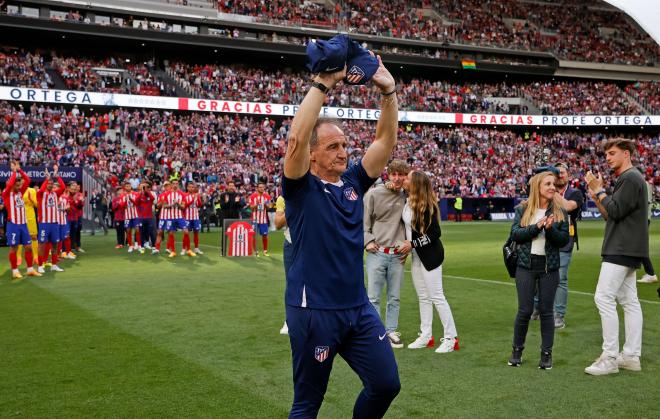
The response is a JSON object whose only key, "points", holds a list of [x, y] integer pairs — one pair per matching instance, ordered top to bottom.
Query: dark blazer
{"points": [[428, 246]]}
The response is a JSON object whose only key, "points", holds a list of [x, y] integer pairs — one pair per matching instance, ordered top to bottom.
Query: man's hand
{"points": [[382, 78], [330, 80], [15, 167], [55, 169], [595, 183], [372, 247]]}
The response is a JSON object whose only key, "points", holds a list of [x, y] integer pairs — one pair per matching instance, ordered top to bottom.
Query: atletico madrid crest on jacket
{"points": [[350, 194], [321, 353]]}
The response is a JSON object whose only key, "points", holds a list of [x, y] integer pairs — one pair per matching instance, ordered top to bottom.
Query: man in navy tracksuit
{"points": [[327, 308]]}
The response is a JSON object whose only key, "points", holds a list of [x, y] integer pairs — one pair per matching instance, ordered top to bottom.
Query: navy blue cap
{"points": [[327, 56], [361, 65]]}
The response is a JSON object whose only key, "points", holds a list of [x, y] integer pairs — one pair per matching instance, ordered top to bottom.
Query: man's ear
{"points": [[312, 156]]}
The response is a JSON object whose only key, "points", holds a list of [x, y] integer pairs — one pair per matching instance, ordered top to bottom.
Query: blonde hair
{"points": [[423, 201], [532, 203]]}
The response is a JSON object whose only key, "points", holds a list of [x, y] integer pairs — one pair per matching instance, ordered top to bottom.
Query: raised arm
{"points": [[379, 151], [296, 160], [26, 181], [10, 184], [61, 188]]}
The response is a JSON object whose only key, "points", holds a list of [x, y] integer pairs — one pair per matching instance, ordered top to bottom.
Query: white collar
{"points": [[338, 184]]}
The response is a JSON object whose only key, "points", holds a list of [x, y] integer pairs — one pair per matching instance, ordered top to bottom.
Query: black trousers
{"points": [[75, 232], [121, 234], [527, 283]]}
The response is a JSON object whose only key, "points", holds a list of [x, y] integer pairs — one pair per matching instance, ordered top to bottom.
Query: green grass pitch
{"points": [[130, 335]]}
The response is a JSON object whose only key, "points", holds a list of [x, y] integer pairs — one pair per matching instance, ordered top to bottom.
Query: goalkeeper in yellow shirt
{"points": [[30, 199]]}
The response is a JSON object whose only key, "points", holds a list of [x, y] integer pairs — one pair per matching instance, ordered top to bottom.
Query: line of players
{"points": [[58, 209], [177, 210]]}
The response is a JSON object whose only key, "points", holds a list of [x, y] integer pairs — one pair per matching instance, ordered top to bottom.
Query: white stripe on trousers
{"points": [[617, 283], [428, 285]]}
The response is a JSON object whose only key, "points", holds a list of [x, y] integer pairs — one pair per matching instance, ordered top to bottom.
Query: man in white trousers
{"points": [[625, 245]]}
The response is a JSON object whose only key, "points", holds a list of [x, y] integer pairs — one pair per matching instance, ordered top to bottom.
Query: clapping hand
{"points": [[595, 183], [541, 222], [549, 222]]}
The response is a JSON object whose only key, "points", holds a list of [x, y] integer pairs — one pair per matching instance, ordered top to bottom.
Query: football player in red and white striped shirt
{"points": [[192, 202], [259, 202], [64, 207], [171, 215], [132, 220], [49, 229], [17, 231]]}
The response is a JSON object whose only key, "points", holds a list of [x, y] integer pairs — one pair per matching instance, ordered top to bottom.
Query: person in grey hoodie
{"points": [[383, 229], [625, 245]]}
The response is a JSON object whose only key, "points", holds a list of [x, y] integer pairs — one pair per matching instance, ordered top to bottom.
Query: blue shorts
{"points": [[133, 223], [172, 225], [193, 225], [262, 229], [65, 231], [49, 233], [18, 234], [357, 335]]}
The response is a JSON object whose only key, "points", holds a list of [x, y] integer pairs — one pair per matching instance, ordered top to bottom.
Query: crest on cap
{"points": [[354, 75]]}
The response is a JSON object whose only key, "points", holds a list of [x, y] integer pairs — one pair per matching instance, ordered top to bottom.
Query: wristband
{"points": [[322, 87], [388, 93], [600, 191]]}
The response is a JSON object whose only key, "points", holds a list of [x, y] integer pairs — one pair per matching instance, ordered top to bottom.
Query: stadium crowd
{"points": [[593, 32], [603, 34], [212, 81], [241, 83], [213, 149]]}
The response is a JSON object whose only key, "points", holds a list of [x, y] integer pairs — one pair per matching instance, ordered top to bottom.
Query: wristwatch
{"points": [[322, 87]]}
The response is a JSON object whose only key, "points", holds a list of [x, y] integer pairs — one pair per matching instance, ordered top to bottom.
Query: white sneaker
{"points": [[147, 245], [130, 249], [80, 250], [155, 251], [198, 251], [183, 253], [56, 268], [41, 270], [648, 279], [284, 330], [395, 339], [420, 342], [446, 346], [628, 362], [604, 365]]}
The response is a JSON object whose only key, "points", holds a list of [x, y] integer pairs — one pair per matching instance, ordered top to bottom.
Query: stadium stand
{"points": [[592, 31], [242, 83], [472, 161]]}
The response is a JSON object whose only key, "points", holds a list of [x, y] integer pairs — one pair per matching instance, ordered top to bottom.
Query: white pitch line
{"points": [[491, 281], [513, 284]]}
